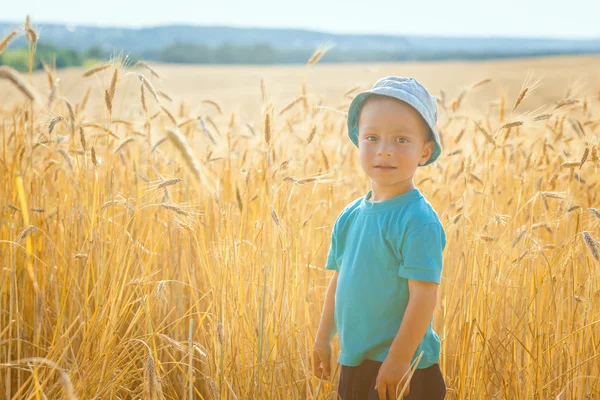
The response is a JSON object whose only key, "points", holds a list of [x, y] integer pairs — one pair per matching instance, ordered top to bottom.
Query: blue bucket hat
{"points": [[408, 90]]}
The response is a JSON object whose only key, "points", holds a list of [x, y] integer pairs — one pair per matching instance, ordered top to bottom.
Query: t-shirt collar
{"points": [[394, 202]]}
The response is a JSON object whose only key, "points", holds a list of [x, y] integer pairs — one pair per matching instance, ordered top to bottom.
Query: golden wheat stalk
{"points": [[30, 33], [7, 40], [317, 55], [144, 64], [95, 70], [49, 74], [113, 83], [481, 83], [21, 84], [149, 86], [527, 88], [352, 90], [263, 91], [53, 92], [109, 94], [522, 95], [166, 96], [143, 97], [85, 99], [108, 101], [457, 102], [564, 103], [214, 104], [292, 104], [168, 113], [71, 116], [542, 117], [187, 121], [53, 123], [212, 124], [513, 124], [576, 125], [100, 127], [267, 128], [206, 130], [313, 132], [485, 133], [460, 135], [82, 138], [160, 141], [181, 143], [123, 144], [594, 155], [66, 157], [584, 157], [94, 159], [570, 164], [169, 182], [554, 195], [238, 198], [173, 207], [594, 212], [275, 216], [27, 231], [592, 244], [177, 345], [152, 385]]}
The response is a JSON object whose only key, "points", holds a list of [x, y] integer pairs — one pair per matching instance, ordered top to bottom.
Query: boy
{"points": [[386, 251]]}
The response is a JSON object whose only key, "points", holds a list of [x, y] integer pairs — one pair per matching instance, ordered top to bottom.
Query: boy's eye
{"points": [[372, 138]]}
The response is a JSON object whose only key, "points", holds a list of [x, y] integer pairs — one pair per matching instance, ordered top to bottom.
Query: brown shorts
{"points": [[358, 382]]}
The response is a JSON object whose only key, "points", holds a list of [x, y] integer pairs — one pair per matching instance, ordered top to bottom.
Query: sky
{"points": [[472, 18]]}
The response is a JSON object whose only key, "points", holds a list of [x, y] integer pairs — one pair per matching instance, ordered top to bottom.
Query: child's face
{"points": [[391, 133]]}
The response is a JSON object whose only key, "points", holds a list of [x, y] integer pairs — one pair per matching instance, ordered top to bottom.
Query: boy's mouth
{"points": [[385, 167]]}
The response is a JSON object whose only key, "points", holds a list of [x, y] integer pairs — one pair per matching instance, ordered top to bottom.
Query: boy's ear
{"points": [[427, 151]]}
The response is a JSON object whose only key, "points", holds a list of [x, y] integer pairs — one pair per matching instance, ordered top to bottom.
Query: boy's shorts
{"points": [[358, 383]]}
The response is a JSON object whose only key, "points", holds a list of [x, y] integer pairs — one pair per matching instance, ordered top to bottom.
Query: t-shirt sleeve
{"points": [[422, 253], [331, 262]]}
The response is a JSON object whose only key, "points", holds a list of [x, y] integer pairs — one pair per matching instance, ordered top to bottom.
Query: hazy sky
{"points": [[529, 18]]}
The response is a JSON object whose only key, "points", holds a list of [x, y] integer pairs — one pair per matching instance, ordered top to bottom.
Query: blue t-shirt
{"points": [[376, 248]]}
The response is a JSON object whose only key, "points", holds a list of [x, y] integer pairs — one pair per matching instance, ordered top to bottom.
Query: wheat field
{"points": [[163, 229]]}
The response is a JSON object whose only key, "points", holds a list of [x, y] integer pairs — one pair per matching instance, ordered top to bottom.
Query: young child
{"points": [[386, 251]]}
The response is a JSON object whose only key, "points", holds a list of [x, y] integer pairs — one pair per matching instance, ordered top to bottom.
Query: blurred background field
{"points": [[238, 87], [167, 240]]}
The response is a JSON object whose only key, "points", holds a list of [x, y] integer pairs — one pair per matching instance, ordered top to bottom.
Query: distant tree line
{"points": [[192, 53], [60, 57]]}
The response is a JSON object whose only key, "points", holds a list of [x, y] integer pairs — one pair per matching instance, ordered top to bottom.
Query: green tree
{"points": [[96, 52], [17, 59]]}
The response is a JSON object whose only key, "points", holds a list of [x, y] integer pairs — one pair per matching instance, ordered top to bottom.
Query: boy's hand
{"points": [[322, 359], [391, 373]]}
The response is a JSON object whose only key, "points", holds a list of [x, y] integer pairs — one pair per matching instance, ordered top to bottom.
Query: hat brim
{"points": [[355, 105]]}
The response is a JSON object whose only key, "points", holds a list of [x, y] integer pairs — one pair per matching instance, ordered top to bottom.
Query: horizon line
{"points": [[249, 27]]}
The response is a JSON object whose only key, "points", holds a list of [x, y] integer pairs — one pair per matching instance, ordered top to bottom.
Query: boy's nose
{"points": [[385, 148]]}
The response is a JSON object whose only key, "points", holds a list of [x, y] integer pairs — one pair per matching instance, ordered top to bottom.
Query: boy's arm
{"points": [[422, 265], [417, 317], [327, 328], [322, 345]]}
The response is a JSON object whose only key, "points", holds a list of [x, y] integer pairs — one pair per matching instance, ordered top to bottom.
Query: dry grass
{"points": [[118, 281]]}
